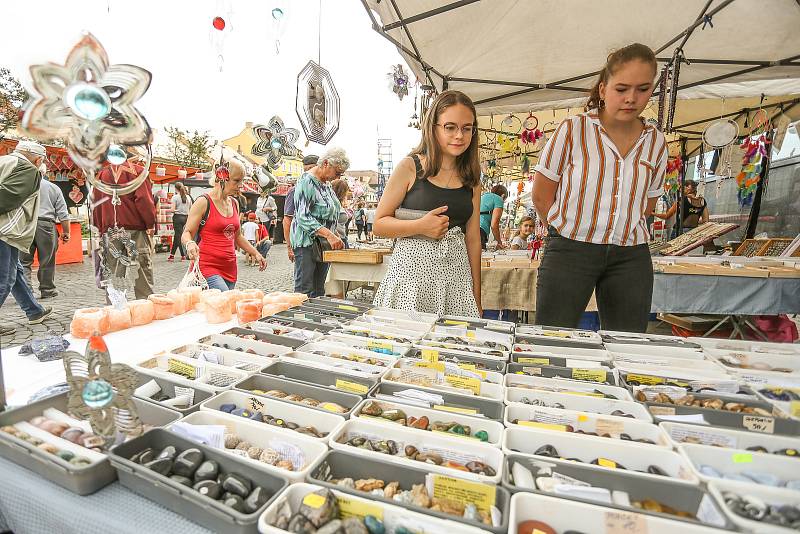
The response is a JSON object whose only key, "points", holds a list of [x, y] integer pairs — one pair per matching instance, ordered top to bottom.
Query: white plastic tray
{"points": [[357, 342], [747, 346], [261, 348], [341, 348], [566, 352], [241, 361], [689, 364], [338, 365], [205, 369], [491, 377], [521, 381], [487, 391], [579, 402], [323, 422], [493, 428], [261, 435], [729, 438], [462, 451], [634, 457], [769, 495], [393, 516]]}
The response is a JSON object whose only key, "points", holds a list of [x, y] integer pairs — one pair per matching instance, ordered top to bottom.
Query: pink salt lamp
{"points": [[163, 305], [218, 309], [248, 310], [142, 312], [118, 319], [87, 321]]}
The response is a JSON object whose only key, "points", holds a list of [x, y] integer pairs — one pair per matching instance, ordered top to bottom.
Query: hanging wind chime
{"points": [[398, 81], [755, 148]]}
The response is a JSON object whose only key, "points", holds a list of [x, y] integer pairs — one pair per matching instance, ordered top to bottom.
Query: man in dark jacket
{"points": [[20, 178], [136, 214]]}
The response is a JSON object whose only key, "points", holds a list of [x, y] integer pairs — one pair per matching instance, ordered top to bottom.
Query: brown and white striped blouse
{"points": [[601, 197]]}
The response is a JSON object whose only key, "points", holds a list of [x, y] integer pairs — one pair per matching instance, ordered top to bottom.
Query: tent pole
{"points": [[428, 14], [688, 31], [410, 39], [755, 209], [679, 210]]}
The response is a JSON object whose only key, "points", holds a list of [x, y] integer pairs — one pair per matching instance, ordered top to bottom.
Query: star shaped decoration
{"points": [[398, 81], [88, 102], [275, 141], [102, 392]]}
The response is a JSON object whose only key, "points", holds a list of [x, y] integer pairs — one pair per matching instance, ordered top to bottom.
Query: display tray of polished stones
{"points": [[341, 304], [328, 311], [311, 316], [296, 323], [488, 324], [276, 328], [376, 335], [585, 338], [254, 342], [552, 342], [388, 348], [352, 354], [550, 358], [236, 359], [462, 359], [432, 361], [350, 363], [190, 371], [586, 373], [307, 374], [411, 374], [572, 387], [171, 394], [321, 398], [783, 398], [439, 400], [584, 403], [732, 411], [302, 419], [429, 420], [753, 442], [60, 451], [643, 461], [409, 487], [212, 488], [613, 488], [307, 508], [758, 508]]}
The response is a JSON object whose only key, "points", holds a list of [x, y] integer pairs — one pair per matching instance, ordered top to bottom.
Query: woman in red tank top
{"points": [[220, 233]]}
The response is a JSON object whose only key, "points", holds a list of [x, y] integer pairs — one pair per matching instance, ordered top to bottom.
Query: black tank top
{"points": [[426, 196], [692, 213]]}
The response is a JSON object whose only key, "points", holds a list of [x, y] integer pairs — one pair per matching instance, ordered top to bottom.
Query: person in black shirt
{"points": [[694, 210]]}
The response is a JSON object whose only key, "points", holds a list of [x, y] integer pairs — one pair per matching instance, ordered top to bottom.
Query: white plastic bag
{"points": [[193, 276]]}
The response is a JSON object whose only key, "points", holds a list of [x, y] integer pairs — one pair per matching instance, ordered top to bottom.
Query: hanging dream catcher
{"points": [[398, 81], [317, 103], [530, 130], [720, 135], [508, 139], [275, 142], [747, 180], [102, 392]]}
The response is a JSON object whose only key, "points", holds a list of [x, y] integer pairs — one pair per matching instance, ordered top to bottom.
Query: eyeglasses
{"points": [[451, 129]]}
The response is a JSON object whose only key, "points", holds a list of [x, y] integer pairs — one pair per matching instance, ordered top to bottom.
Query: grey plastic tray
{"points": [[335, 303], [329, 311], [311, 316], [297, 323], [267, 338], [556, 342], [651, 342], [556, 361], [490, 364], [554, 371], [314, 376], [266, 383], [168, 387], [490, 409], [739, 421], [339, 464], [80, 480], [675, 495], [183, 500]]}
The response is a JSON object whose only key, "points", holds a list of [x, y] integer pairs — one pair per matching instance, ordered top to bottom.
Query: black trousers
{"points": [[178, 222], [622, 278]]}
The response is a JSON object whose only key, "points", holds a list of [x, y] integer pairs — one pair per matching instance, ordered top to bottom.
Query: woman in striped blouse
{"points": [[597, 179]]}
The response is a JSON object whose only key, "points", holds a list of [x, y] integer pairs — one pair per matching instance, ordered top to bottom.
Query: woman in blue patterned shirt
{"points": [[316, 212]]}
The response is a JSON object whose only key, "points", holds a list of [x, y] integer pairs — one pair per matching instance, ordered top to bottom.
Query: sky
{"points": [[175, 41]]}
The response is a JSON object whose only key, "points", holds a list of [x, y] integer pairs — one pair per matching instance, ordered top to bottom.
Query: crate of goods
{"points": [[189, 371], [320, 377], [572, 387], [172, 394], [319, 398], [459, 403], [580, 403], [760, 509]]}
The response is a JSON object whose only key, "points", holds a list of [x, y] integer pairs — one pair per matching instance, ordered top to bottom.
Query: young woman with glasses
{"points": [[435, 265]]}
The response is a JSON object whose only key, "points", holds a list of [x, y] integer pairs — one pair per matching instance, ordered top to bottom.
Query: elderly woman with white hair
{"points": [[214, 218], [313, 228]]}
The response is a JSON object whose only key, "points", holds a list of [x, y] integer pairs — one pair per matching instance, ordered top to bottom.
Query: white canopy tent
{"points": [[521, 55]]}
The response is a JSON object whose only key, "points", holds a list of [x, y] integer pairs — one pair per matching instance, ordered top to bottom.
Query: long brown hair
{"points": [[614, 61], [468, 164], [179, 187], [340, 188], [521, 222]]}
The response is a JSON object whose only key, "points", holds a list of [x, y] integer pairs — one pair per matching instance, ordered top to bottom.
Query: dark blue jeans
{"points": [[309, 276], [12, 280]]}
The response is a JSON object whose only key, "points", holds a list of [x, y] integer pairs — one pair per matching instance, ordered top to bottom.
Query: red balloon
{"points": [[219, 23]]}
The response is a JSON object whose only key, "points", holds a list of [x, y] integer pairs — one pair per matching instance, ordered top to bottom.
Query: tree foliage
{"points": [[12, 96], [189, 148]]}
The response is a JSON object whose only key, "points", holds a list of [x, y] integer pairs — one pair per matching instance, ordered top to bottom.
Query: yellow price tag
{"points": [[347, 308], [456, 323], [470, 334], [562, 335], [379, 345], [430, 355], [536, 361], [439, 366], [472, 369], [594, 375], [645, 379], [461, 382], [352, 387], [583, 393], [794, 408], [455, 409], [582, 417], [545, 426], [742, 458], [607, 463], [464, 492], [313, 500], [350, 507]]}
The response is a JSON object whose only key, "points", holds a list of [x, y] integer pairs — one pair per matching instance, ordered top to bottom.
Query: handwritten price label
{"points": [[765, 425], [625, 523]]}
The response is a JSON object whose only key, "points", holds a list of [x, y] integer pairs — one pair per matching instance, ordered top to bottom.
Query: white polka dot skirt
{"points": [[429, 276]]}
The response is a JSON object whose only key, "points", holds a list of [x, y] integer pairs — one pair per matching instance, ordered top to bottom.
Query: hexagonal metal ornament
{"points": [[317, 103]]}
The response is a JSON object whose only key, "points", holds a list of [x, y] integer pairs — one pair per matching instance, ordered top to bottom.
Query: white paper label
{"points": [[209, 356], [181, 391], [552, 419], [756, 423], [704, 437], [291, 452], [564, 479], [708, 513]]}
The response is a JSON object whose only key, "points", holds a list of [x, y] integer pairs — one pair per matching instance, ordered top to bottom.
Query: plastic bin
{"points": [[342, 304], [328, 311], [310, 316], [422, 317], [378, 321], [296, 323], [267, 326], [506, 327], [386, 330], [586, 337], [763, 347], [272, 348], [341, 348], [398, 350], [492, 355], [551, 358], [622, 359], [239, 360], [340, 365], [497, 365], [595, 374], [206, 375], [321, 377], [486, 377], [266, 383], [569, 386], [168, 388], [488, 390], [453, 402], [580, 403], [324, 422], [588, 422], [493, 428], [261, 435], [727, 438], [464, 451], [635, 457], [737, 461], [339, 464], [80, 480], [769, 495], [691, 499], [186, 501], [567, 515], [393, 516]]}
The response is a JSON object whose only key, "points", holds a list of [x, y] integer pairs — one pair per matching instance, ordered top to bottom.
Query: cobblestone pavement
{"points": [[76, 289]]}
